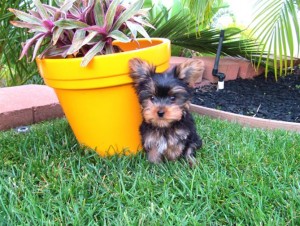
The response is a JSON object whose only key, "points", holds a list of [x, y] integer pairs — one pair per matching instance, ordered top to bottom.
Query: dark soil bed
{"points": [[259, 97]]}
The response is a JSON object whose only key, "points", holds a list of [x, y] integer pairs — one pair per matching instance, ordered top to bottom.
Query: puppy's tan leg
{"points": [[173, 152], [154, 156], [190, 157]]}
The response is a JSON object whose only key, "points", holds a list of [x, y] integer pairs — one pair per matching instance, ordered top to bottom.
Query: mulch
{"points": [[259, 97]]}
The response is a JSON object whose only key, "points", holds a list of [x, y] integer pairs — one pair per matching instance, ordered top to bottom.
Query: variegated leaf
{"points": [[59, 2], [90, 3], [67, 5], [41, 9], [50, 9], [75, 11], [144, 12], [99, 13], [128, 13], [35, 14], [110, 14], [25, 17], [143, 22], [70, 24], [32, 27], [135, 27], [132, 28], [98, 29], [143, 32], [56, 34], [120, 36], [89, 37], [77, 41], [29, 43], [36, 47], [109, 49], [53, 51], [91, 53]]}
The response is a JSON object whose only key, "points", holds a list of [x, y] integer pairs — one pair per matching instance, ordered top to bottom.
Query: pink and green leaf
{"points": [[59, 2], [90, 3], [67, 6], [41, 9], [50, 9], [99, 13], [128, 13], [35, 14], [110, 14], [25, 16], [143, 22], [70, 24], [32, 27], [131, 27], [135, 27], [98, 29], [57, 32], [120, 36], [89, 37], [77, 41], [29, 43], [37, 47], [109, 49], [53, 51], [91, 53]]}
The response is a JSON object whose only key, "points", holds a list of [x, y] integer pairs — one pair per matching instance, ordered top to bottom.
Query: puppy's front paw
{"points": [[154, 156], [190, 157], [192, 161]]}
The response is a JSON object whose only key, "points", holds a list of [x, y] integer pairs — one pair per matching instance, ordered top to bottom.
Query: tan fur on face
{"points": [[191, 71], [172, 113]]}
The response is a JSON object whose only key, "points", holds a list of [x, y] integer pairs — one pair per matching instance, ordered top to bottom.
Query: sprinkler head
{"points": [[221, 76]]}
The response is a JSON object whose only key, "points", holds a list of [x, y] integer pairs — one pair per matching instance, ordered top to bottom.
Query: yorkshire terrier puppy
{"points": [[168, 130]]}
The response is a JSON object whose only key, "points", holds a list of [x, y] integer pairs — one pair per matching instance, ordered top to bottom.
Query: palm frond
{"points": [[203, 10], [276, 28], [181, 31]]}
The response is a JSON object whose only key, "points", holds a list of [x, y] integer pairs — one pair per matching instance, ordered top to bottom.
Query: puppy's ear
{"points": [[140, 71], [191, 72]]}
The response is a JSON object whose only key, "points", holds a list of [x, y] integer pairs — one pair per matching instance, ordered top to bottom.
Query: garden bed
{"points": [[258, 97]]}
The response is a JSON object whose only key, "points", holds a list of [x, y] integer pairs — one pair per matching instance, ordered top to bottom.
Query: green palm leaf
{"points": [[203, 10], [276, 28], [180, 29]]}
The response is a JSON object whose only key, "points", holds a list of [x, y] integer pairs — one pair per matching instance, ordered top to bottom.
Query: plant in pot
{"points": [[85, 47]]}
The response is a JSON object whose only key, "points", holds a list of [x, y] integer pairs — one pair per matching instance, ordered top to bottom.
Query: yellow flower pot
{"points": [[99, 101]]}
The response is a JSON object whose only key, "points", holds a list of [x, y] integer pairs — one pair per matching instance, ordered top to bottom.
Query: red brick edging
{"points": [[26, 105], [246, 120]]}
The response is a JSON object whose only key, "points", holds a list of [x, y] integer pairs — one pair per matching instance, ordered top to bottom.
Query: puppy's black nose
{"points": [[160, 113]]}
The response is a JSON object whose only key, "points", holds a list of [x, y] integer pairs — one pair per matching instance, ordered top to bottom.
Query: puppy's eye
{"points": [[152, 98], [172, 98]]}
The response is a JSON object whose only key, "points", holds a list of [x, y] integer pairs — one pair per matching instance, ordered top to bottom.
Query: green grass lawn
{"points": [[244, 176]]}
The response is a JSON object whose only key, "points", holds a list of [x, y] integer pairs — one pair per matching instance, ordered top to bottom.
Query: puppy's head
{"points": [[164, 97]]}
